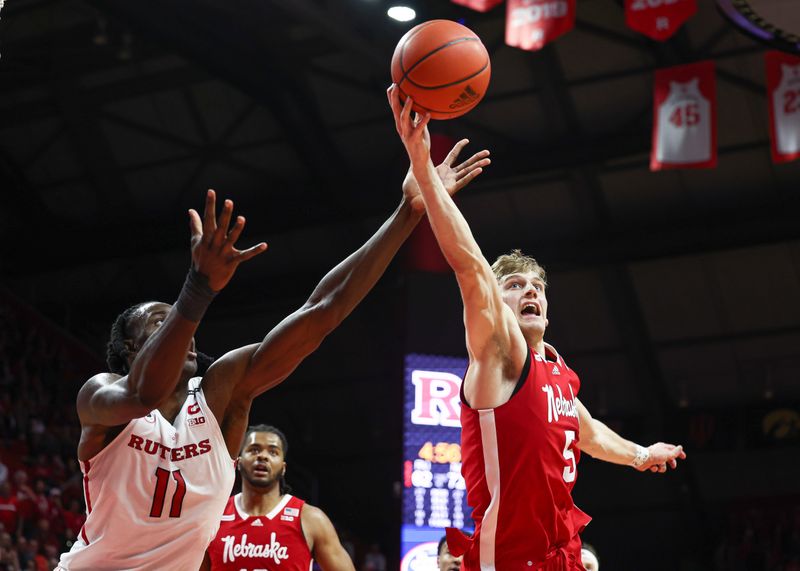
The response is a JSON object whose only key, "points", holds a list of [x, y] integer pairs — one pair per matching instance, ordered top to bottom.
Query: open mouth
{"points": [[531, 309]]}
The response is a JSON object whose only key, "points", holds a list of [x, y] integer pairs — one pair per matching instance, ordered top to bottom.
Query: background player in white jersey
{"points": [[157, 443], [266, 528]]}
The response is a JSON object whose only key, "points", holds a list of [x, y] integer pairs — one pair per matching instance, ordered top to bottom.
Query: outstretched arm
{"points": [[493, 336], [244, 373], [110, 400], [600, 442], [324, 543]]}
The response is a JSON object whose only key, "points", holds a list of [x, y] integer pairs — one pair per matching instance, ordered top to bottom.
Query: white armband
{"points": [[642, 456]]}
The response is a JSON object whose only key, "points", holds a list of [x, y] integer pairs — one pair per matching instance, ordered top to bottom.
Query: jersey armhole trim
{"points": [[526, 368], [520, 382]]}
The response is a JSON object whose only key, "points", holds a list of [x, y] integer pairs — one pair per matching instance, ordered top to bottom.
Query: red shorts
{"points": [[564, 558]]}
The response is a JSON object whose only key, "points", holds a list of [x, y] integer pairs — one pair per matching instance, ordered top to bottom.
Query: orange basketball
{"points": [[443, 66]]}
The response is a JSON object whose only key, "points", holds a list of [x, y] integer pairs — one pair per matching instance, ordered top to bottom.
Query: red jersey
{"points": [[520, 463], [272, 542]]}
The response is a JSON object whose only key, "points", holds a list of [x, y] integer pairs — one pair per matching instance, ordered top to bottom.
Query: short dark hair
{"points": [[284, 487]]}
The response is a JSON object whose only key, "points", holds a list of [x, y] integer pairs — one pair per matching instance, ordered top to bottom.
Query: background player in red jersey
{"points": [[522, 425], [266, 528]]}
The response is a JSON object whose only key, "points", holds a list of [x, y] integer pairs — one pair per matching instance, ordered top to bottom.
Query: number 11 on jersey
{"points": [[160, 493]]}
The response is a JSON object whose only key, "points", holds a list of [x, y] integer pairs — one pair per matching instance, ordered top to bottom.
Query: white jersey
{"points": [[786, 107], [684, 125], [155, 494]]}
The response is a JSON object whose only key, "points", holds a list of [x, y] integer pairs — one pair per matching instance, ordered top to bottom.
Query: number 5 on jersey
{"points": [[571, 469], [160, 493]]}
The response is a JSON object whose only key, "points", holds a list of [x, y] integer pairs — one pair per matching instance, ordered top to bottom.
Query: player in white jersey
{"points": [[157, 442]]}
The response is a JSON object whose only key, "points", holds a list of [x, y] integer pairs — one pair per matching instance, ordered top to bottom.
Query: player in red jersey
{"points": [[522, 425], [265, 527]]}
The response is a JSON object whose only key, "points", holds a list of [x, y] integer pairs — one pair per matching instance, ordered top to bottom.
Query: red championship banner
{"points": [[478, 5], [658, 19], [530, 24], [783, 94], [685, 117]]}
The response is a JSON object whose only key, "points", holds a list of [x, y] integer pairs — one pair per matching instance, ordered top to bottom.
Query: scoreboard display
{"points": [[434, 493]]}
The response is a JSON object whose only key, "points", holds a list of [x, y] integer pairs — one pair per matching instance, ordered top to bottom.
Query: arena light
{"points": [[402, 13]]}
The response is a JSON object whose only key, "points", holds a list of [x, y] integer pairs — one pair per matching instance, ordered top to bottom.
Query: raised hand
{"points": [[411, 130], [454, 178], [213, 244], [661, 456]]}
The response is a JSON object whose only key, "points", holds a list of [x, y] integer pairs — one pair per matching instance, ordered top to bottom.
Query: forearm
{"points": [[448, 223], [348, 283], [156, 370], [605, 444]]}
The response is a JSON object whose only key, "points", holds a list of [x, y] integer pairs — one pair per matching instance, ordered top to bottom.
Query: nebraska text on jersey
{"points": [[559, 406], [270, 542], [273, 550]]}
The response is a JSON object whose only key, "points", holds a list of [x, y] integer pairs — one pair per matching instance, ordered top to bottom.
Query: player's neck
{"points": [[536, 342], [170, 408], [257, 501]]}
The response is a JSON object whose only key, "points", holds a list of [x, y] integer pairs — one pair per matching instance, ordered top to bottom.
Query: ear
{"points": [[546, 322]]}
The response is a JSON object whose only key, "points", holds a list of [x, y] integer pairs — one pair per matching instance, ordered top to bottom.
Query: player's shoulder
{"points": [[101, 380], [95, 383], [229, 514], [314, 515]]}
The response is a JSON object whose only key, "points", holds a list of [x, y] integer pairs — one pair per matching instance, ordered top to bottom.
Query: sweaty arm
{"points": [[494, 340], [244, 373], [109, 399], [600, 442], [323, 542]]}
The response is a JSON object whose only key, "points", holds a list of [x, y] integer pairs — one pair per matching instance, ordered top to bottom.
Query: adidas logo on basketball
{"points": [[467, 97]]}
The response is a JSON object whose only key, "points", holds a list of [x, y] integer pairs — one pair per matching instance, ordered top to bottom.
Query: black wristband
{"points": [[195, 296]]}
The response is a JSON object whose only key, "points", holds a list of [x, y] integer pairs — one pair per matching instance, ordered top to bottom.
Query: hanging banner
{"points": [[478, 5], [658, 19], [530, 24], [783, 94], [685, 117], [421, 251]]}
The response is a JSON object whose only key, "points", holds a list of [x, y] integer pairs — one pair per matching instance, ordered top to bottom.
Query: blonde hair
{"points": [[516, 262]]}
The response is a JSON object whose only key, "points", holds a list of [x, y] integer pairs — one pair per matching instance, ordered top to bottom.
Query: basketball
{"points": [[443, 66]]}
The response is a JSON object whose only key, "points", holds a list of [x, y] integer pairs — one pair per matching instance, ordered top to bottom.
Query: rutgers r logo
{"points": [[436, 398], [194, 408]]}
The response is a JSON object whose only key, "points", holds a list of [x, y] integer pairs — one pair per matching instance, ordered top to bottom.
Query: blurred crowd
{"points": [[41, 498], [760, 538]]}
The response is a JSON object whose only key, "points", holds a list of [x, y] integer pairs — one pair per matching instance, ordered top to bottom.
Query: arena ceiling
{"points": [[678, 287]]}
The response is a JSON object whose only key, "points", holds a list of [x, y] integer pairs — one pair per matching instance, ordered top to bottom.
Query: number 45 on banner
{"points": [[685, 117]]}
